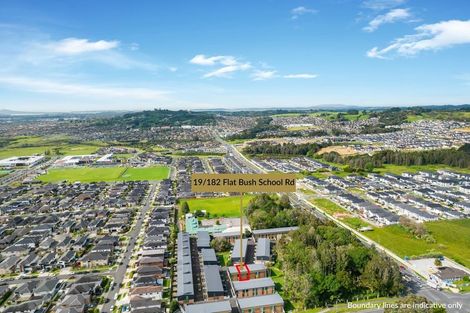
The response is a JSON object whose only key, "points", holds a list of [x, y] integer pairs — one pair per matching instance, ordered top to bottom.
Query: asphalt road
{"points": [[120, 273], [417, 286]]}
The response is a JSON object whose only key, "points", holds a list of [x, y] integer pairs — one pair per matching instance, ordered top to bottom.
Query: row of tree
{"points": [[308, 149], [451, 157]]}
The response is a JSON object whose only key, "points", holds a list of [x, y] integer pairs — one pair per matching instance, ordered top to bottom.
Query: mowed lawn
{"points": [[146, 173], [106, 174], [220, 207], [452, 240]]}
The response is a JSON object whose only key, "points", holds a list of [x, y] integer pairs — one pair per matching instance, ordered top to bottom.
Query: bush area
{"points": [[157, 117], [263, 124], [308, 149], [450, 157], [266, 211], [321, 262], [324, 263]]}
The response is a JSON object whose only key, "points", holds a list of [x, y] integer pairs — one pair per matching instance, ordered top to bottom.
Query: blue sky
{"points": [[105, 55]]}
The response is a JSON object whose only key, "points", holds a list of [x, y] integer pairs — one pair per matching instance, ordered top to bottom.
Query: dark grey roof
{"points": [[203, 239], [263, 248], [236, 249], [208, 256], [252, 267], [445, 272], [212, 278], [253, 283], [185, 287], [260, 301], [209, 307]]}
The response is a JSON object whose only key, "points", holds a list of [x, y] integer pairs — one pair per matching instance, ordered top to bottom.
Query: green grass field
{"points": [[439, 115], [23, 146], [399, 169], [3, 173], [146, 173], [107, 174], [328, 206], [221, 207], [355, 222], [452, 236], [452, 240]]}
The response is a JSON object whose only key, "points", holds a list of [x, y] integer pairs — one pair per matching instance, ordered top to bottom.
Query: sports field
{"points": [[146, 173], [107, 174], [221, 207]]}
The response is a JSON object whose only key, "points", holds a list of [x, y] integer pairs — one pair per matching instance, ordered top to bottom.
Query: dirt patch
{"points": [[462, 130], [341, 150]]}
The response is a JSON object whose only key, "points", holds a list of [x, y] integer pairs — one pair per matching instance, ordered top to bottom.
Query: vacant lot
{"points": [[341, 150], [399, 169], [107, 174], [328, 206], [221, 207], [452, 240]]}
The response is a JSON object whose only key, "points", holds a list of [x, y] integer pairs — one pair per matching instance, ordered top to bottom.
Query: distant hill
{"points": [[147, 119]]}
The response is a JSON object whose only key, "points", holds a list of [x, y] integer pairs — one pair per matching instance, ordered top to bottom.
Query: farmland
{"points": [[54, 145]]}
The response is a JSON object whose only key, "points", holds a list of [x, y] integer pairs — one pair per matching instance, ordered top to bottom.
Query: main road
{"points": [[120, 273], [415, 284]]}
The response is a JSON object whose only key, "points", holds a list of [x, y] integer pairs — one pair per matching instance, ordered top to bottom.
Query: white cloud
{"points": [[382, 4], [299, 11], [390, 17], [428, 37], [79, 46], [201, 59], [228, 63], [227, 70], [263, 75], [301, 76], [52, 87]]}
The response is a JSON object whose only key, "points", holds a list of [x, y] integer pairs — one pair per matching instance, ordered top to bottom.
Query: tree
{"points": [[185, 207], [198, 213], [221, 245], [437, 262], [381, 275], [414, 304], [174, 307]]}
